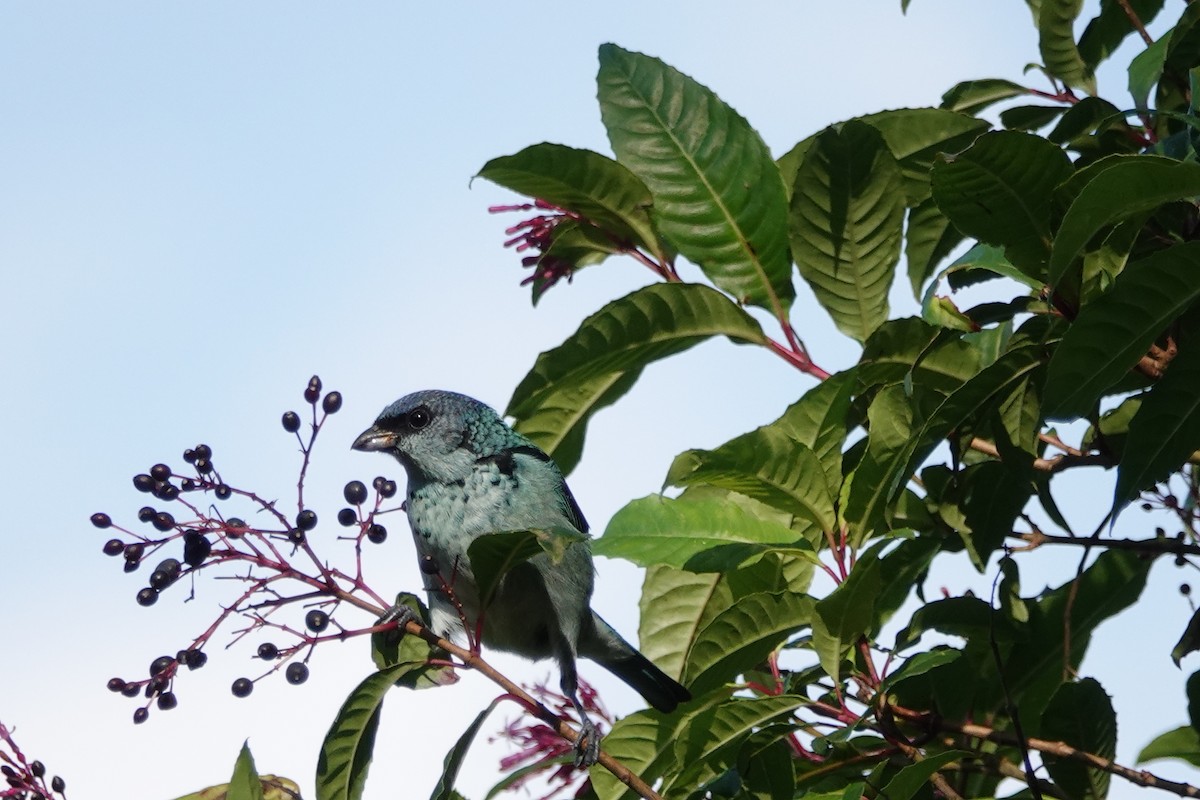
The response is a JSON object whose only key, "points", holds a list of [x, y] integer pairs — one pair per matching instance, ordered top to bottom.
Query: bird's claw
{"points": [[399, 614], [587, 745]]}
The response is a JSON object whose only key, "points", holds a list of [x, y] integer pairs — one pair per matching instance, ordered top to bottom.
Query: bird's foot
{"points": [[401, 615], [587, 745]]}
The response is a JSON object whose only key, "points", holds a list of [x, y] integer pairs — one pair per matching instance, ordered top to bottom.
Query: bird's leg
{"points": [[401, 615], [587, 746]]}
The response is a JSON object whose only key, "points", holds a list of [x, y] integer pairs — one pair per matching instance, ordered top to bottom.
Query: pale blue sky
{"points": [[203, 204]]}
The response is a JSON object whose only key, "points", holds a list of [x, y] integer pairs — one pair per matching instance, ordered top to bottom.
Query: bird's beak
{"points": [[374, 439]]}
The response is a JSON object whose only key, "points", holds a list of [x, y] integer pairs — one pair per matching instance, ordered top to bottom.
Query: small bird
{"points": [[470, 474]]}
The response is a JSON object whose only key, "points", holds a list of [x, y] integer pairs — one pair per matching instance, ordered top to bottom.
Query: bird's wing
{"points": [[574, 514]]}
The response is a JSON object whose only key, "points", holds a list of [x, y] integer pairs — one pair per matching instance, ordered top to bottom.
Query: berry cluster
{"points": [[275, 561], [24, 779]]}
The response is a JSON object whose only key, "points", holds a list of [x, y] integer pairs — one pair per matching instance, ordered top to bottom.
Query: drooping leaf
{"points": [[1109, 28], [1056, 40], [1145, 69], [971, 97], [1030, 118], [916, 136], [1126, 187], [600, 190], [1000, 190], [718, 196], [847, 218], [930, 238], [1115, 330], [913, 352], [590, 369], [818, 420], [892, 426], [1165, 432], [766, 464], [703, 534], [846, 614], [742, 636], [1190, 640], [920, 664], [1081, 714], [1182, 743], [348, 746], [453, 761], [245, 783]]}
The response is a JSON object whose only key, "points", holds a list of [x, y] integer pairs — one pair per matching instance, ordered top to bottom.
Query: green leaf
{"points": [[1109, 28], [1056, 41], [1145, 69], [971, 97], [1030, 118], [916, 136], [1127, 187], [602, 191], [1000, 191], [718, 196], [847, 218], [930, 238], [983, 262], [1115, 330], [915, 353], [600, 361], [819, 421], [892, 426], [1165, 432], [766, 464], [703, 534], [846, 614], [742, 636], [1190, 640], [391, 647], [918, 665], [1193, 696], [1081, 714], [710, 741], [646, 743], [1182, 743], [346, 751], [453, 761], [911, 778], [245, 783]]}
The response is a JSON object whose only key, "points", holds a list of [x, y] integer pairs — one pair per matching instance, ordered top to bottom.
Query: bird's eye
{"points": [[418, 418]]}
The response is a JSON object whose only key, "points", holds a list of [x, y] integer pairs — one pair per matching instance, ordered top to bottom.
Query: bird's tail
{"points": [[616, 655]]}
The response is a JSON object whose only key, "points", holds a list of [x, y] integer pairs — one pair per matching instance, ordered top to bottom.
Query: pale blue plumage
{"points": [[470, 474]]}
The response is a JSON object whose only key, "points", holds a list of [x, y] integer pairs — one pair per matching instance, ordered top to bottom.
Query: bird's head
{"points": [[438, 435]]}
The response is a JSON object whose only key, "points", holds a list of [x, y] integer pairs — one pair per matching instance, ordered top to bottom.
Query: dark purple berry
{"points": [[313, 390], [332, 402], [291, 421], [203, 451], [189, 456], [203, 466], [160, 472], [378, 482], [143, 483], [187, 485], [388, 489], [166, 491], [222, 492], [355, 493], [146, 514], [347, 517], [101, 520], [306, 520], [163, 521], [235, 527], [377, 534], [296, 536], [114, 547], [195, 548], [133, 552], [1180, 561], [428, 565], [131, 566], [170, 566], [1185, 589], [149, 595], [316, 620], [268, 651], [195, 659], [160, 664], [296, 674], [116, 685], [242, 687], [130, 690], [167, 701], [140, 715], [38, 769], [8, 771], [58, 784]]}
